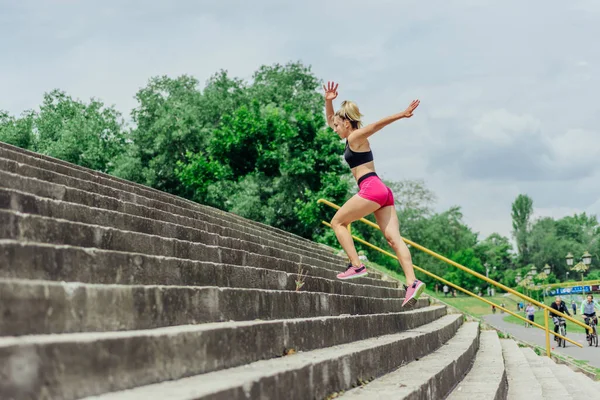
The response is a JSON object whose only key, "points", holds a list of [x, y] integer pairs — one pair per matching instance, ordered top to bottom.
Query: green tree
{"points": [[169, 124], [18, 131], [87, 134], [272, 156], [412, 196], [522, 210], [550, 240], [496, 251], [467, 258]]}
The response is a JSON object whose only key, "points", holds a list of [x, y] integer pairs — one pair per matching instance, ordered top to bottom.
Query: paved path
{"points": [[537, 336]]}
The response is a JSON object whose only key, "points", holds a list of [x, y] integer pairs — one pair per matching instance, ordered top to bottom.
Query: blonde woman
{"points": [[373, 195]]}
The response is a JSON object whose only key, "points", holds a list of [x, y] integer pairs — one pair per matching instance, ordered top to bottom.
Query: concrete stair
{"points": [[113, 290], [487, 377], [537, 377]]}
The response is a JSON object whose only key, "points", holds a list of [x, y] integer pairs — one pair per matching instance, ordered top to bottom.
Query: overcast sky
{"points": [[509, 89]]}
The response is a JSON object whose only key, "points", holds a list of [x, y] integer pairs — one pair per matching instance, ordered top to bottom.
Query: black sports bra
{"points": [[354, 159]]}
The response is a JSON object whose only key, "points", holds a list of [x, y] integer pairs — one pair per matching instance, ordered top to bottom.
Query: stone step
{"points": [[28, 164], [53, 164], [29, 204], [89, 206], [34, 228], [28, 260], [43, 307], [96, 363], [313, 374], [431, 377], [487, 378], [569, 379], [522, 383], [588, 384], [551, 387]]}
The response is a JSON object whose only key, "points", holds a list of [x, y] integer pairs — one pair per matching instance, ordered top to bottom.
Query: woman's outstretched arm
{"points": [[362, 134]]}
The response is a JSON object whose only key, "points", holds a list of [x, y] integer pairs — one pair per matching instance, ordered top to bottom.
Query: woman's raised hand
{"points": [[330, 90], [409, 111]]}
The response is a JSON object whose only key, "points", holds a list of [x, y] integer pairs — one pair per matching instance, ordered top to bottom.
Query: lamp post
{"points": [[587, 258], [569, 259], [582, 266], [547, 269], [532, 272], [544, 277], [490, 289]]}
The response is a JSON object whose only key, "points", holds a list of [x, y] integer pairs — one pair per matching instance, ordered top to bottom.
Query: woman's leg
{"points": [[354, 209], [388, 222]]}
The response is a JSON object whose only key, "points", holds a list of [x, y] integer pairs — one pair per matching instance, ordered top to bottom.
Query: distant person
{"points": [[446, 289], [574, 307], [493, 309], [530, 312]]}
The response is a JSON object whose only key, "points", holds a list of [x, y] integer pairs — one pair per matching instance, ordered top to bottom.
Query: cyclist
{"points": [[560, 306], [588, 310]]}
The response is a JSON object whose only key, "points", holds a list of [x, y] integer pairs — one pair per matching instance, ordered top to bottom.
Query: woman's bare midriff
{"points": [[363, 169]]}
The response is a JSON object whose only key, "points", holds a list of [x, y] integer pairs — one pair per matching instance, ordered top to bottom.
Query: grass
{"points": [[474, 306], [538, 318], [583, 364]]}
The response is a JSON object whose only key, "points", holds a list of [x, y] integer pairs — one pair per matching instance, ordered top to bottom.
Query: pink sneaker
{"points": [[353, 272], [412, 293]]}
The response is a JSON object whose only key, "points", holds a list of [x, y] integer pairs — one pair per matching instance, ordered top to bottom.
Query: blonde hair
{"points": [[349, 111]]}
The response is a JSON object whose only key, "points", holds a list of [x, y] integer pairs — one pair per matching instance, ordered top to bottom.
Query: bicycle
{"points": [[562, 330], [593, 337]]}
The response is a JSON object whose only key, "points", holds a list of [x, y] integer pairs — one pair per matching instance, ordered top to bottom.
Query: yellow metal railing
{"points": [[476, 274]]}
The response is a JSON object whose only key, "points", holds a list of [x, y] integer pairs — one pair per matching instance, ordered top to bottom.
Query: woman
{"points": [[373, 196], [530, 311]]}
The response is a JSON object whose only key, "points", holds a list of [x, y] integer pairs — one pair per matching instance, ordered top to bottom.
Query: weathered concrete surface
{"points": [[45, 162], [91, 181], [129, 216], [128, 225], [26, 227], [24, 260], [148, 306], [38, 307], [85, 364], [314, 374], [431, 377], [487, 377], [522, 383], [578, 385], [551, 387]]}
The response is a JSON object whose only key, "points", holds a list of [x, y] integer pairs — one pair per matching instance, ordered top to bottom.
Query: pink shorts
{"points": [[372, 188]]}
